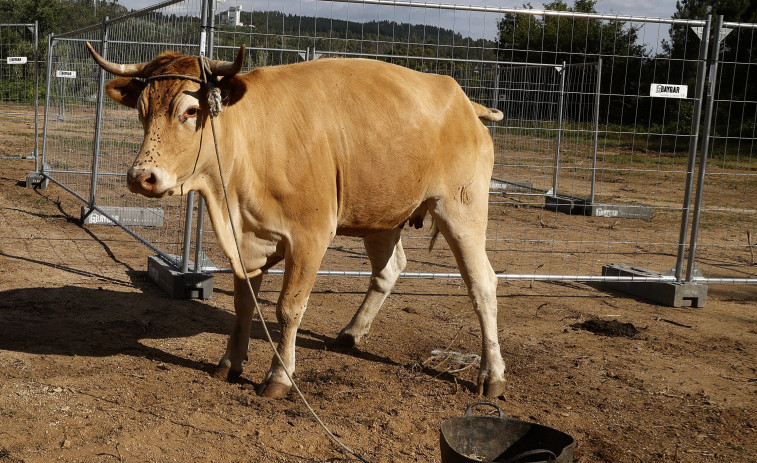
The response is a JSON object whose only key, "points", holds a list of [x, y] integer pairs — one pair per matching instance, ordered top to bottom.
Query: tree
{"points": [[732, 10], [57, 16], [53, 17], [554, 39], [736, 88]]}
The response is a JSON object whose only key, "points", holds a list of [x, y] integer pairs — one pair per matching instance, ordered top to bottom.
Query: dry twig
{"points": [[544, 225], [428, 360]]}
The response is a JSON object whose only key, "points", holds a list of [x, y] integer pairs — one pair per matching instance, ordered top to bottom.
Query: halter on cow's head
{"points": [[171, 95]]}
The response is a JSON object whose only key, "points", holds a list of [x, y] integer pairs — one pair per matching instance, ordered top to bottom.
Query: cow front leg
{"points": [[388, 260], [299, 278], [230, 365]]}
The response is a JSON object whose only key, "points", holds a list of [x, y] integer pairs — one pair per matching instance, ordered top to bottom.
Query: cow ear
{"points": [[124, 90], [232, 90]]}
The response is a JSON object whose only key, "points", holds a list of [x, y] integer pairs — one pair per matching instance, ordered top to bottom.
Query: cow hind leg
{"points": [[464, 228], [388, 260], [230, 365]]}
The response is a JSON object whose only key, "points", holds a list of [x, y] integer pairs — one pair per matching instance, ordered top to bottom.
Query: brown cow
{"points": [[309, 151]]}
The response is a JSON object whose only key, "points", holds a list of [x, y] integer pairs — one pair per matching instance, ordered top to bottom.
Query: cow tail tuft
{"points": [[487, 114]]}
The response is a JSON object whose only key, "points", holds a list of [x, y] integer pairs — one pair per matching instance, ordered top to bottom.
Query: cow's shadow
{"points": [[94, 322], [100, 322]]}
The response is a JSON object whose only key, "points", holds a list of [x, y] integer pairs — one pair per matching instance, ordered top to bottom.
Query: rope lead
{"points": [[214, 92]]}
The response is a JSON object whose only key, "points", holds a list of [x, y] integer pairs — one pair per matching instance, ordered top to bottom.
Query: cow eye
{"points": [[190, 112]]}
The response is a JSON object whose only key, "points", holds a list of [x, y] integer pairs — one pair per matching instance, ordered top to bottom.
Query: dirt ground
{"points": [[98, 365]]}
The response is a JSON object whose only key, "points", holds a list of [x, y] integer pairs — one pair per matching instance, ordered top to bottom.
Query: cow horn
{"points": [[227, 68], [123, 70]]}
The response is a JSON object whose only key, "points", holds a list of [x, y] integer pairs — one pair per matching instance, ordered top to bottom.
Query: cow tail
{"points": [[487, 114]]}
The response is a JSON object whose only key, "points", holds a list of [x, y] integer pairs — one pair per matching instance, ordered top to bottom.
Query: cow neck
{"points": [[226, 174], [242, 181]]}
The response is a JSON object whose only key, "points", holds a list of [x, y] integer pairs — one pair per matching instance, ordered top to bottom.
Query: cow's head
{"points": [[171, 99]]}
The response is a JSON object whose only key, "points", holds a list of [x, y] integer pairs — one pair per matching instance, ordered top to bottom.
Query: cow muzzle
{"points": [[148, 181]]}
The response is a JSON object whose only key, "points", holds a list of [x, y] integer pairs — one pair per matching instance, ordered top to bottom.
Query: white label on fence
{"points": [[203, 42], [16, 60], [66, 74], [669, 91], [607, 212], [129, 216]]}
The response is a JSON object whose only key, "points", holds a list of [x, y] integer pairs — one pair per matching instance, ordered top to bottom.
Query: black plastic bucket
{"points": [[476, 438]]}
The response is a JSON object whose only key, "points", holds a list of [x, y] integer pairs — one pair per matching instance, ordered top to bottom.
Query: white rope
{"points": [[252, 292]]}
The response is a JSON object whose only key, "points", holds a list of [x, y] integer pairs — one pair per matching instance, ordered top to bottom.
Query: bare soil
{"points": [[98, 365]]}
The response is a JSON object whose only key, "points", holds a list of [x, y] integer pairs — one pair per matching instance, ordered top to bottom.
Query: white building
{"points": [[231, 17]]}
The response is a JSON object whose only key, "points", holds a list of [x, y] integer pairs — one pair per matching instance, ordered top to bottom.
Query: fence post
{"points": [[211, 25], [205, 26], [206, 49], [713, 61], [597, 90], [36, 96], [495, 97], [47, 100], [98, 117], [559, 128], [693, 142], [37, 179], [187, 232], [199, 259]]}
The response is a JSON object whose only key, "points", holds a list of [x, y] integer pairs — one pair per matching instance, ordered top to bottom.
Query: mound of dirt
{"points": [[608, 328]]}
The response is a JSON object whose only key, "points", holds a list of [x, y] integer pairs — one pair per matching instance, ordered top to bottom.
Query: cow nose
{"points": [[141, 180]]}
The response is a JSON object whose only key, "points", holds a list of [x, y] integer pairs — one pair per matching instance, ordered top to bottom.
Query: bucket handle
{"points": [[469, 410], [549, 455]]}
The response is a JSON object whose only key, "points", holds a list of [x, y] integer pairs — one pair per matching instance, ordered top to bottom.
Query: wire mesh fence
{"points": [[19, 95], [595, 162]]}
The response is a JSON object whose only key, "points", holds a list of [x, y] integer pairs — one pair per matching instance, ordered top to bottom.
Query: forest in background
{"points": [[521, 38]]}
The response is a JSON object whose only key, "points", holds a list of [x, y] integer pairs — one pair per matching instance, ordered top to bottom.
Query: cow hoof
{"points": [[344, 341], [221, 372], [224, 372], [492, 389], [273, 390]]}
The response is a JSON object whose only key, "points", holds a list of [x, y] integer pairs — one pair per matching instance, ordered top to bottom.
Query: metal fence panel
{"points": [[19, 90], [70, 107], [91, 159], [727, 226]]}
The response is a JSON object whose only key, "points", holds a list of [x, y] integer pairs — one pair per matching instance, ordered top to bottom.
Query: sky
{"points": [[648, 8]]}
